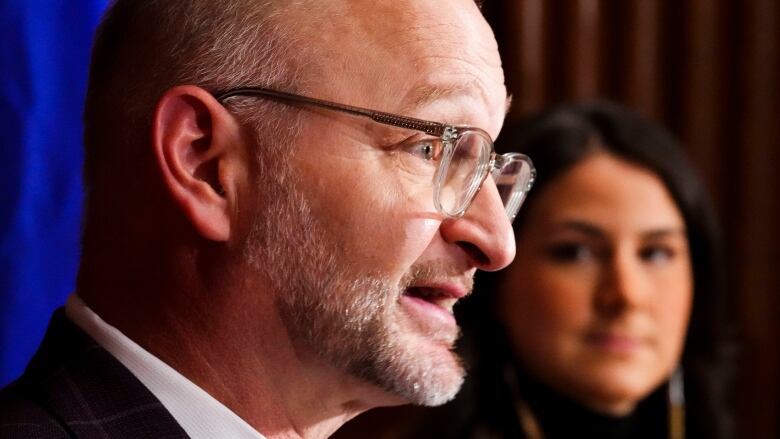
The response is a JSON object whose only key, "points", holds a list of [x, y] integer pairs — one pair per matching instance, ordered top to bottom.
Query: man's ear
{"points": [[194, 137]]}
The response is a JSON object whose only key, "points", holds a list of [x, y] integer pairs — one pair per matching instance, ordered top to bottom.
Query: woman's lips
{"points": [[615, 342]]}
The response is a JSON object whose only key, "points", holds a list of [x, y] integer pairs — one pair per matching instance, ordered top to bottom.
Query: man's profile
{"points": [[284, 201]]}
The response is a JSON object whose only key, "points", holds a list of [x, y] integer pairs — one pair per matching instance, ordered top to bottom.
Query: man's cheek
{"points": [[416, 239]]}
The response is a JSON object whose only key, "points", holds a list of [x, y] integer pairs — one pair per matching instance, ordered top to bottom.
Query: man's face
{"points": [[365, 269]]}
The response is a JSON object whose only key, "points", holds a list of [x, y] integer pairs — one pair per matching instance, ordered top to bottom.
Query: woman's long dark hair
{"points": [[563, 136]]}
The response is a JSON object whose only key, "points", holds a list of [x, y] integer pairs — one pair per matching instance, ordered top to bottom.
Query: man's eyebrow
{"points": [[423, 94]]}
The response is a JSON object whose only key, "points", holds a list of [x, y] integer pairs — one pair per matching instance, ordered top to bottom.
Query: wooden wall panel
{"points": [[583, 48], [531, 54], [642, 57], [701, 79], [756, 154]]}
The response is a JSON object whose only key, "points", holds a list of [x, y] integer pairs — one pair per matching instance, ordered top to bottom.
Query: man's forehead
{"points": [[396, 24], [417, 63]]}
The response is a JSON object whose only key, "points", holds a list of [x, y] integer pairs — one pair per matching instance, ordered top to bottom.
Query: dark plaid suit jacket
{"points": [[73, 388]]}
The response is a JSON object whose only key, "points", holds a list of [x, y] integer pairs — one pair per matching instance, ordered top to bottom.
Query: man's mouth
{"points": [[433, 296], [431, 305]]}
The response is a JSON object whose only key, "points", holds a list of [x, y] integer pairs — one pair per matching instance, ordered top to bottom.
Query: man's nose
{"points": [[484, 232]]}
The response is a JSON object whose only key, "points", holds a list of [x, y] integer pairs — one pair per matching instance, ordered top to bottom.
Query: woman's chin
{"points": [[612, 391]]}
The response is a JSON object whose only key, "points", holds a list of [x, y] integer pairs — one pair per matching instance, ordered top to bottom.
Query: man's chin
{"points": [[427, 371]]}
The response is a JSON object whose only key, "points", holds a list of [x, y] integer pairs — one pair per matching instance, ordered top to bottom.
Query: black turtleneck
{"points": [[561, 417]]}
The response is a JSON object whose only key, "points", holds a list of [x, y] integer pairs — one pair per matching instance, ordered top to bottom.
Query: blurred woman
{"points": [[611, 322]]}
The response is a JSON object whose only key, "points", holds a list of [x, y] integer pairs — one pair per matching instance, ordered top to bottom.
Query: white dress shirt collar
{"points": [[199, 414]]}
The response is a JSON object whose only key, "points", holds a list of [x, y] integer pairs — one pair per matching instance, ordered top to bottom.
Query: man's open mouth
{"points": [[434, 296]]}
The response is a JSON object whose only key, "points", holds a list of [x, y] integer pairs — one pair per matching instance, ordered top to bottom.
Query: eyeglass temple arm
{"points": [[432, 128]]}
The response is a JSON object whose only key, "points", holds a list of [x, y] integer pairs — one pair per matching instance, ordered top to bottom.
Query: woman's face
{"points": [[598, 298]]}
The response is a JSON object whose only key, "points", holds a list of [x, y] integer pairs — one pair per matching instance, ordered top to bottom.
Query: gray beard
{"points": [[346, 317]]}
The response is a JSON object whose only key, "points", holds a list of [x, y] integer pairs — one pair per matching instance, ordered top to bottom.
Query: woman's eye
{"points": [[570, 253], [656, 254]]}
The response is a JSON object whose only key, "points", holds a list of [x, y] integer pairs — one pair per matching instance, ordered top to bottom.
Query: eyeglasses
{"points": [[465, 155]]}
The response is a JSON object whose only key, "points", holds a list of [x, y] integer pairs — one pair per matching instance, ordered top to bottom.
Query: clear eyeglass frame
{"points": [[467, 157]]}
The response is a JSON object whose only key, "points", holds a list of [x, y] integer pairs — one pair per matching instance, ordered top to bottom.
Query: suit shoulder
{"points": [[22, 417]]}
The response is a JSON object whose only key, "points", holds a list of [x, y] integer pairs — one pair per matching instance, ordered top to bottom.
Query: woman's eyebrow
{"points": [[583, 227], [592, 230], [663, 232]]}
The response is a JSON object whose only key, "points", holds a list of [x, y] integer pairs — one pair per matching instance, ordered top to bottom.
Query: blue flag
{"points": [[44, 57]]}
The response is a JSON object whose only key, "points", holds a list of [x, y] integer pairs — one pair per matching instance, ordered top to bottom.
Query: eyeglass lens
{"points": [[464, 168], [513, 176]]}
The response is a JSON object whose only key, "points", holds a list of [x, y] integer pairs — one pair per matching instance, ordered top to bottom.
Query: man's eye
{"points": [[429, 149]]}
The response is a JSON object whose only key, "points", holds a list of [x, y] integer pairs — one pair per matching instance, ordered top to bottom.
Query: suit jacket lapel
{"points": [[89, 392]]}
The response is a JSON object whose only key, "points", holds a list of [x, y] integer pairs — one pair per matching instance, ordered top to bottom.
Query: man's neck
{"points": [[247, 361]]}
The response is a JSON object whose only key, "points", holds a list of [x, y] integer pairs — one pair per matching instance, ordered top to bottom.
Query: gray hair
{"points": [[144, 47]]}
